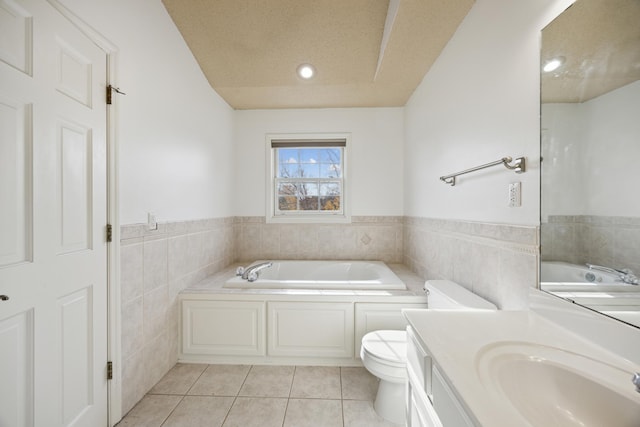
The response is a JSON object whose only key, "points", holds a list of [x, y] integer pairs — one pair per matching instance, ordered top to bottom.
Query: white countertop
{"points": [[455, 338]]}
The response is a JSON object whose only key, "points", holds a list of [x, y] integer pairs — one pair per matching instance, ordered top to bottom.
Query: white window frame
{"points": [[306, 217]]}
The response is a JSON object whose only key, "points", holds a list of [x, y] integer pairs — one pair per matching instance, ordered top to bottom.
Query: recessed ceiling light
{"points": [[553, 64], [306, 71]]}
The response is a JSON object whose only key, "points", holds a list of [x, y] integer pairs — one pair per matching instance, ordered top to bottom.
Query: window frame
{"points": [[273, 215]]}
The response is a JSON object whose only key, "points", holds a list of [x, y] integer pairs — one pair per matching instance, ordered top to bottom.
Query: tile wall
{"points": [[365, 238], [611, 241], [498, 262], [155, 265]]}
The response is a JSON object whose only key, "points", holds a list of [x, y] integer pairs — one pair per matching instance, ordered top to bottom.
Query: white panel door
{"points": [[53, 260]]}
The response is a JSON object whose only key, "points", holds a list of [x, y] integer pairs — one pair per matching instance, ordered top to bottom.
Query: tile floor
{"points": [[195, 395]]}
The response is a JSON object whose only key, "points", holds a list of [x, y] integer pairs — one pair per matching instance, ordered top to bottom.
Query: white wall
{"points": [[479, 103], [174, 132], [591, 155], [375, 162]]}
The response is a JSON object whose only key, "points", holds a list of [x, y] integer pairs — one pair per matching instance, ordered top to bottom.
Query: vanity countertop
{"points": [[456, 339]]}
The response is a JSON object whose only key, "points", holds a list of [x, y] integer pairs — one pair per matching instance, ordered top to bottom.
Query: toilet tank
{"points": [[448, 295]]}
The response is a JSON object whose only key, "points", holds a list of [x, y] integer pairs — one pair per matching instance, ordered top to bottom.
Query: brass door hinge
{"points": [[110, 90], [109, 233], [109, 370]]}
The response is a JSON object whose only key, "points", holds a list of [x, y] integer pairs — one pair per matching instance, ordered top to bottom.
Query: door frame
{"points": [[114, 386]]}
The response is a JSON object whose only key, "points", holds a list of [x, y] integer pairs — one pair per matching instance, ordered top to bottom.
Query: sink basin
{"points": [[549, 386]]}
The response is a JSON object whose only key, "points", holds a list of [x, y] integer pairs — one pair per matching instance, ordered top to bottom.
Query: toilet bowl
{"points": [[384, 352]]}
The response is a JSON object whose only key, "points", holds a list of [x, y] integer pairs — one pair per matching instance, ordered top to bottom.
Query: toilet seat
{"points": [[388, 347]]}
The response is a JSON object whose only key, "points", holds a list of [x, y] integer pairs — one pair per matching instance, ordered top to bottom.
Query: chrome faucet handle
{"points": [[239, 271], [636, 381]]}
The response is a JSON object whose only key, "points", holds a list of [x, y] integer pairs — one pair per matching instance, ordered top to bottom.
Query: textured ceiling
{"points": [[600, 40], [367, 53]]}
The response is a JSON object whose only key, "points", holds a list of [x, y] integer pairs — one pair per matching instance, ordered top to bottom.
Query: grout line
{"points": [[197, 379], [235, 398], [286, 408], [172, 411]]}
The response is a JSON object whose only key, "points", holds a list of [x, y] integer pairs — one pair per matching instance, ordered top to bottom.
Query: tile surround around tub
{"points": [[365, 238], [604, 240], [496, 261]]}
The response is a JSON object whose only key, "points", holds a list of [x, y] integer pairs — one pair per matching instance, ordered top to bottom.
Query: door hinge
{"points": [[110, 90], [109, 233], [109, 370]]}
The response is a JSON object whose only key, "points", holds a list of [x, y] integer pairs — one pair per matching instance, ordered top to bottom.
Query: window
{"points": [[307, 179]]}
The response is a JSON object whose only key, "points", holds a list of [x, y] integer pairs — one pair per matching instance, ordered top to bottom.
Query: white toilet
{"points": [[383, 353]]}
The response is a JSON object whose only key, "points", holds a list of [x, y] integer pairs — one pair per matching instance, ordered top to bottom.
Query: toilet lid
{"points": [[387, 345]]}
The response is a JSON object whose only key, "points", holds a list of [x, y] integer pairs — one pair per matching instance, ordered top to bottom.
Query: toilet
{"points": [[383, 352]]}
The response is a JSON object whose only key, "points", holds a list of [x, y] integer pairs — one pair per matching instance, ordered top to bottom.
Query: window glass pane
{"points": [[287, 155], [308, 155], [330, 155], [331, 159], [289, 170], [310, 170], [330, 170], [287, 189], [307, 189], [330, 189], [330, 196], [287, 203], [309, 203], [330, 203]]}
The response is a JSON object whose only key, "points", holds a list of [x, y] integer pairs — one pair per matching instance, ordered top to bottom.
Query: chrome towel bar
{"points": [[519, 166]]}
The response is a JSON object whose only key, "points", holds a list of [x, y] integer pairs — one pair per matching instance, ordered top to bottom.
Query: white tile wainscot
{"points": [[302, 327]]}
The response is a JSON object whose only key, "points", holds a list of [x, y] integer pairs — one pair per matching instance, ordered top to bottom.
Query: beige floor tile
{"points": [[179, 379], [220, 380], [268, 381], [321, 382], [358, 384], [151, 411], [200, 411], [256, 412], [313, 413], [359, 413]]}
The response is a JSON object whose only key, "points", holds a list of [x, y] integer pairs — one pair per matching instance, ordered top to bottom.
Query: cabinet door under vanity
{"points": [[430, 400]]}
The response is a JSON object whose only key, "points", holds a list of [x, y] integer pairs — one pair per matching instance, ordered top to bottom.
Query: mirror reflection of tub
{"points": [[598, 290]]}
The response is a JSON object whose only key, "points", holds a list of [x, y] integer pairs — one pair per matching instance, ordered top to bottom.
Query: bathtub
{"points": [[557, 272], [322, 275], [600, 291], [297, 312]]}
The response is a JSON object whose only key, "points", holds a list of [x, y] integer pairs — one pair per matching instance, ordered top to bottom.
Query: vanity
{"points": [[514, 368]]}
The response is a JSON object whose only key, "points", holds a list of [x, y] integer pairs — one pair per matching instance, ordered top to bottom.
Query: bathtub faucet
{"points": [[251, 273], [624, 274]]}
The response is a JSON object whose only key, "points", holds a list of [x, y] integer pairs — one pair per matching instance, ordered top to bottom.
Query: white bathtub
{"points": [[557, 272], [301, 274], [319, 322]]}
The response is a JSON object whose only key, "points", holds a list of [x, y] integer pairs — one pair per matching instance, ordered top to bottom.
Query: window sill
{"points": [[308, 219]]}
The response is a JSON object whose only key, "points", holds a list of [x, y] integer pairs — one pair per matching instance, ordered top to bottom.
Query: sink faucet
{"points": [[251, 273], [624, 274], [636, 381]]}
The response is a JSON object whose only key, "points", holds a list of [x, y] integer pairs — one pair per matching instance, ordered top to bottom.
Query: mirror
{"points": [[590, 145]]}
